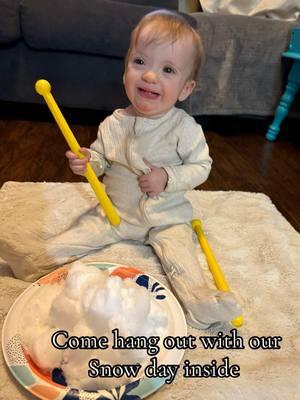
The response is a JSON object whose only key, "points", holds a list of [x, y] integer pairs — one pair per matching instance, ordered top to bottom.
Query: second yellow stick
{"points": [[213, 265]]}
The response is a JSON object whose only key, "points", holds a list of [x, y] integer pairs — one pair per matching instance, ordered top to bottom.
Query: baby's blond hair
{"points": [[169, 26]]}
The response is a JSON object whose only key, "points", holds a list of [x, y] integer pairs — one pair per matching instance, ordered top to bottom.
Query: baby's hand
{"points": [[78, 165], [154, 182]]}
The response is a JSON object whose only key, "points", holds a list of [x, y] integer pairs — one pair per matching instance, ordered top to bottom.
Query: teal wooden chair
{"points": [[292, 87]]}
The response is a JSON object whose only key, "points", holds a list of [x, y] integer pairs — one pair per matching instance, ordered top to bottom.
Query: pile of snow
{"points": [[90, 303]]}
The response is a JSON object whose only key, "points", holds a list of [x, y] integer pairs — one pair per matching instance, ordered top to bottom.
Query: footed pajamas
{"points": [[176, 143]]}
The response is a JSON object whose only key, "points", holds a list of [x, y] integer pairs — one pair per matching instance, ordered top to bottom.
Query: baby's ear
{"points": [[187, 89]]}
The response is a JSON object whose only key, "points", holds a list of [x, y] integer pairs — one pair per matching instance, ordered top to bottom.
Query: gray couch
{"points": [[79, 47]]}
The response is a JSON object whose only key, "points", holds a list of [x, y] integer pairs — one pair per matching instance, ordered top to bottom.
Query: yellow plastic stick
{"points": [[43, 88], [213, 265]]}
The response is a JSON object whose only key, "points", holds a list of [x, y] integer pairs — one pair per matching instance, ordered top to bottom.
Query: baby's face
{"points": [[156, 75]]}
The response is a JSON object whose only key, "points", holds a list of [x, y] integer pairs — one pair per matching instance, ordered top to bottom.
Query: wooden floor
{"points": [[32, 149]]}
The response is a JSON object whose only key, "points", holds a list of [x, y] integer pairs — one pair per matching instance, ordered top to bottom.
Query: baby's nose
{"points": [[150, 76]]}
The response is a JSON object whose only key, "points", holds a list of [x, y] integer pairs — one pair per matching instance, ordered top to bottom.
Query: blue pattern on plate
{"points": [[143, 280], [58, 377], [121, 393], [73, 394]]}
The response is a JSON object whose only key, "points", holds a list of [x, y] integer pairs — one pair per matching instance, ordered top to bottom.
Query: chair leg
{"points": [[286, 100], [282, 110]]}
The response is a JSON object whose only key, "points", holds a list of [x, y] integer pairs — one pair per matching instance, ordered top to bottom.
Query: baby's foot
{"points": [[212, 306]]}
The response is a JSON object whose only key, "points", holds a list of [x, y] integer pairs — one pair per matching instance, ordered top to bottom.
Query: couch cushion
{"points": [[157, 3], [9, 21], [95, 26]]}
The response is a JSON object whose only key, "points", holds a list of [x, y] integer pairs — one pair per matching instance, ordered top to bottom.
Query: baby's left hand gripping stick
{"points": [[43, 88]]}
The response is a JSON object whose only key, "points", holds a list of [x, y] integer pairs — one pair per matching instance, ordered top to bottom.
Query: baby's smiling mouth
{"points": [[148, 93]]}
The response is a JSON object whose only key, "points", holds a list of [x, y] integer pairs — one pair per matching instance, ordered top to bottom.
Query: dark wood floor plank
{"points": [[258, 166]]}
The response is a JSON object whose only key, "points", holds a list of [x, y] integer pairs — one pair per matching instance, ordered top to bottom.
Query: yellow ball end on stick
{"points": [[42, 87], [238, 322]]}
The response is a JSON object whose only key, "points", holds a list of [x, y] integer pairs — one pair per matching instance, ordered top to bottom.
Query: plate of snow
{"points": [[93, 331]]}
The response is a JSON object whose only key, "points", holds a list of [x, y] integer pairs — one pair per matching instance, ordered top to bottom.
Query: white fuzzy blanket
{"points": [[259, 252]]}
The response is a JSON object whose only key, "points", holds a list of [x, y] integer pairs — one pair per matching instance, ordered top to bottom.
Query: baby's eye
{"points": [[138, 60], [169, 70]]}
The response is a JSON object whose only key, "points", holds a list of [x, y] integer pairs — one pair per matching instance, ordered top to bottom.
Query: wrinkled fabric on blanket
{"points": [[258, 250]]}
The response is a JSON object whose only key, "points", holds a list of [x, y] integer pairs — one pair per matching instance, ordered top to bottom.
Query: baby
{"points": [[151, 153]]}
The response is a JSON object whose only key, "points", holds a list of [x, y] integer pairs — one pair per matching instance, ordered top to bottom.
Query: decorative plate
{"points": [[43, 386]]}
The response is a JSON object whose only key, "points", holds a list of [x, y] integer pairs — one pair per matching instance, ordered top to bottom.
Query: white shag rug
{"points": [[259, 252]]}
